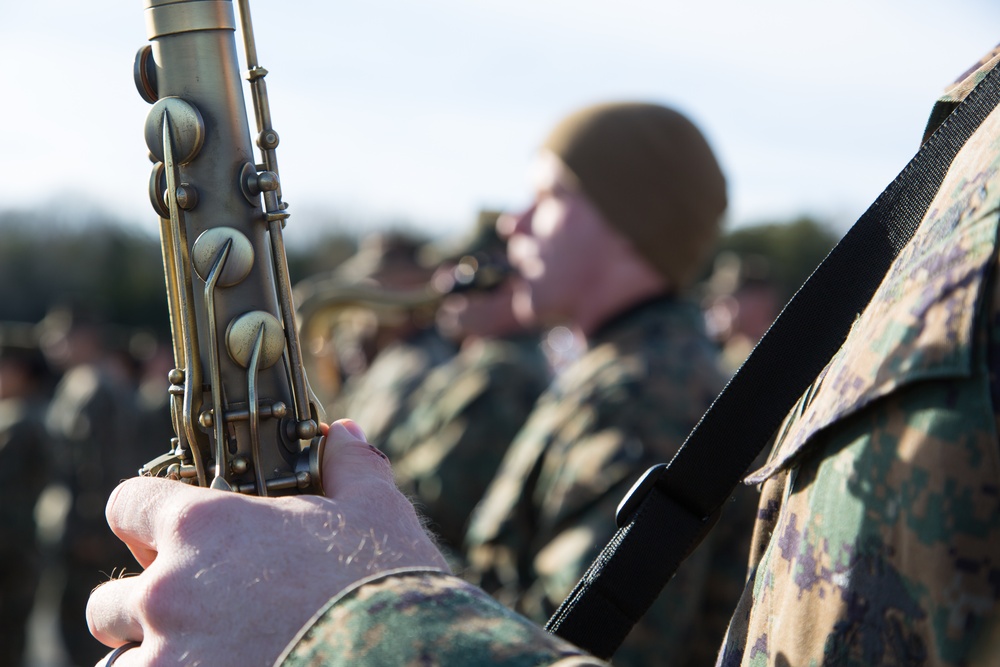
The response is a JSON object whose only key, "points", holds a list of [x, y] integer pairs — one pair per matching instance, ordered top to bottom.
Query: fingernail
{"points": [[352, 428]]}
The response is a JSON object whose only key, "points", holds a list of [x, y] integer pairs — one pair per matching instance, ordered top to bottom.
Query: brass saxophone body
{"points": [[244, 416]]}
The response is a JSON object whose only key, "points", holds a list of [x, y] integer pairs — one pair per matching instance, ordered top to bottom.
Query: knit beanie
{"points": [[653, 177]]}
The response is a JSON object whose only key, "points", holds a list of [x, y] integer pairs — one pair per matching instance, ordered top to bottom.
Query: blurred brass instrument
{"points": [[325, 303], [243, 413]]}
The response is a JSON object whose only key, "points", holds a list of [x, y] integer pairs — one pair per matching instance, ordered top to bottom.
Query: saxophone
{"points": [[244, 416]]}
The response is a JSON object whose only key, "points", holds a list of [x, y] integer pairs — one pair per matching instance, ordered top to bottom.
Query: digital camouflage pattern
{"points": [[958, 91], [378, 398], [625, 405], [461, 420], [879, 521], [439, 620]]}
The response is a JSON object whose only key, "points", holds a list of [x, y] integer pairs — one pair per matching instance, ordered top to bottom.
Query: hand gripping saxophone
{"points": [[242, 410]]}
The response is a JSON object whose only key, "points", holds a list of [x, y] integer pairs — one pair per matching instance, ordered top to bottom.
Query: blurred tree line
{"points": [[96, 263], [107, 268], [115, 270]]}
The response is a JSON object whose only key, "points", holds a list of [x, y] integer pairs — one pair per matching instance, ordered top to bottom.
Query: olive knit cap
{"points": [[653, 177]]}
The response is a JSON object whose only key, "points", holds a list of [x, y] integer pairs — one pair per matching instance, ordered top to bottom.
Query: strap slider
{"points": [[630, 503]]}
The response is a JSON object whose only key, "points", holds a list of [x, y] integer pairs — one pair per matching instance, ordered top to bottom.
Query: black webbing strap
{"points": [[668, 512]]}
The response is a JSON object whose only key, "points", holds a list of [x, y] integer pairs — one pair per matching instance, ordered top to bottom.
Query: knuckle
{"points": [[155, 600], [168, 600], [156, 655]]}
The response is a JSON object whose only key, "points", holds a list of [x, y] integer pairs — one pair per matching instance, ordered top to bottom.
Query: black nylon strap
{"points": [[683, 498]]}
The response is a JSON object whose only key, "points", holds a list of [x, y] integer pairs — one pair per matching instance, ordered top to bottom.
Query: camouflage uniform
{"points": [[378, 398], [626, 404], [463, 418], [880, 513], [879, 518], [425, 618]]}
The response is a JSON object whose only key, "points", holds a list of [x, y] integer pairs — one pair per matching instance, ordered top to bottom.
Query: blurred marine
{"points": [[628, 205], [463, 416], [24, 472]]}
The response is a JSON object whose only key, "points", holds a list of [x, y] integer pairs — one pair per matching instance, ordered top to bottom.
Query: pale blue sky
{"points": [[426, 111]]}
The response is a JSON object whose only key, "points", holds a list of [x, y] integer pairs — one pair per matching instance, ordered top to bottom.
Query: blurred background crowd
{"points": [[404, 332]]}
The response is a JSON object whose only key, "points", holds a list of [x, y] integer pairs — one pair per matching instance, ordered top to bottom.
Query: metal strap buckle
{"points": [[630, 503]]}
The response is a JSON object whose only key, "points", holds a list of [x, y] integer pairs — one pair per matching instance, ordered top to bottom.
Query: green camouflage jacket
{"points": [[378, 398], [625, 405], [462, 418], [879, 518], [419, 619]]}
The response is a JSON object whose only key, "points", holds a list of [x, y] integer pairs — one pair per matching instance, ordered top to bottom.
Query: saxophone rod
{"points": [[276, 214]]}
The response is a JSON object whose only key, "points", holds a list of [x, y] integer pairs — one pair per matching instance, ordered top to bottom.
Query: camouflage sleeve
{"points": [[425, 618]]}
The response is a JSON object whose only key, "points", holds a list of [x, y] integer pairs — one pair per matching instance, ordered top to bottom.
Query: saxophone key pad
{"points": [[187, 128], [206, 249], [241, 338]]}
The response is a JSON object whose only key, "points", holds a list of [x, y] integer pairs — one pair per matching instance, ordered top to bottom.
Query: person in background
{"points": [[628, 204], [384, 288], [741, 302], [25, 388], [463, 416], [95, 443]]}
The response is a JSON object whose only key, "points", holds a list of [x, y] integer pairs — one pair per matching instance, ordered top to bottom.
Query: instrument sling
{"points": [[673, 506]]}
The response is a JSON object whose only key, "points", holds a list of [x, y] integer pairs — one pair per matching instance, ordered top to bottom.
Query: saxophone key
{"points": [[265, 410]]}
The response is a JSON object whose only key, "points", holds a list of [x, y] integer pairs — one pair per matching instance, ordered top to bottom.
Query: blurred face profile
{"points": [[555, 246]]}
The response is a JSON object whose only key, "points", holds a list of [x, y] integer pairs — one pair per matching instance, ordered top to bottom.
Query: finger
{"points": [[353, 428], [349, 461], [136, 507], [109, 612]]}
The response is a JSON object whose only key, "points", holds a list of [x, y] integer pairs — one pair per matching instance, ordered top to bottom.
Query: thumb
{"points": [[349, 461]]}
